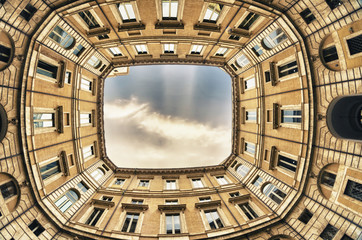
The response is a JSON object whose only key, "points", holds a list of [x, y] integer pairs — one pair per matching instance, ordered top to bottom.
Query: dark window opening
{"points": [[334, 3], [28, 12], [307, 15], [89, 19], [248, 21], [102, 37], [234, 37], [355, 44], [78, 50], [5, 53], [330, 54], [233, 67], [102, 68], [47, 69], [287, 69], [267, 76], [287, 163], [328, 179], [8, 190], [354, 190], [248, 211], [305, 216], [94, 217], [131, 222], [36, 227], [329, 232], [346, 237]]}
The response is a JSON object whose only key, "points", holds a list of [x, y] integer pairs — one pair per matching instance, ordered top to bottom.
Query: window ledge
{"points": [[169, 24], [131, 26], [211, 27], [98, 31], [240, 32], [169, 55], [143, 56], [194, 56], [239, 199], [103, 202], [207, 204], [131, 206], [172, 207], [219, 229], [164, 235]]}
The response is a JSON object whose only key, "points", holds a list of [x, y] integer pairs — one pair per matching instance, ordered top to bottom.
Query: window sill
{"points": [[169, 24]]}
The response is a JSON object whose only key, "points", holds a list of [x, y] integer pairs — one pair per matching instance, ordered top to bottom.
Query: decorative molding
{"points": [[208, 204]]}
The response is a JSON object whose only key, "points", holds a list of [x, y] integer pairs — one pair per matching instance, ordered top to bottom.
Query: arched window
{"points": [[62, 37], [274, 39], [7, 50], [242, 61], [94, 62], [344, 117], [3, 122], [242, 170], [98, 174], [274, 193], [67, 200]]}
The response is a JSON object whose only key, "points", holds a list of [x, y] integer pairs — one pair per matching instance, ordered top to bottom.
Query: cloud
{"points": [[137, 136]]}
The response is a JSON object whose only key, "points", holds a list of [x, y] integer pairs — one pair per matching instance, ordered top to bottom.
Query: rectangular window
{"points": [[334, 3], [169, 9], [28, 12], [212, 12], [127, 13], [307, 15], [89, 19], [248, 21], [103, 36], [234, 37], [355, 44], [169, 48], [141, 49], [196, 49], [78, 50], [257, 50], [115, 51], [221, 51], [5, 53], [330, 54], [233, 67], [46, 69], [287, 69], [267, 76], [67, 77], [250, 83], [85, 84], [250, 115], [291, 116], [85, 118], [43, 120], [250, 148], [88, 151], [287, 163], [50, 169], [328, 179], [222, 180], [119, 181], [257, 181], [144, 183], [197, 183], [170, 184], [82, 186], [8, 190], [354, 190], [234, 194], [106, 198], [204, 199], [137, 201], [171, 202], [248, 211], [95, 216], [305, 216], [213, 218], [130, 222], [173, 223], [36, 227], [329, 232], [346, 237]]}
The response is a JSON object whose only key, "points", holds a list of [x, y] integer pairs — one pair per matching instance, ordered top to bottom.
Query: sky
{"points": [[168, 116]]}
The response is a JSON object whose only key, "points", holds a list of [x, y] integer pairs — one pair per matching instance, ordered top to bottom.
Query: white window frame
{"points": [[82, 23], [169, 48], [141, 49], [197, 49], [115, 51], [222, 51], [247, 82], [86, 84], [248, 111], [296, 125], [250, 147], [87, 150], [98, 174], [52, 177], [225, 181], [171, 184], [200, 184], [143, 187]]}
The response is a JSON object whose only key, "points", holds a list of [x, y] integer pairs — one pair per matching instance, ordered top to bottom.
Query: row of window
{"points": [[49, 119]]}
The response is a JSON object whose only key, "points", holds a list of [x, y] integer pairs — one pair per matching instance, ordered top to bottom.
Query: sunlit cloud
{"points": [[139, 137]]}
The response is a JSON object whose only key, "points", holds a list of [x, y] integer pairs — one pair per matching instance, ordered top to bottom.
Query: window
{"points": [[334, 3], [169, 9], [28, 12], [212, 12], [127, 13], [307, 15], [89, 19], [248, 21], [102, 36], [62, 37], [234, 37], [274, 39], [354, 45], [169, 48], [141, 49], [196, 49], [78, 50], [257, 50], [115, 51], [221, 51], [5, 53], [330, 54], [242, 61], [94, 62], [233, 67], [47, 69], [287, 69], [68, 76], [267, 76], [250, 83], [85, 84], [250, 115], [291, 116], [85, 118], [43, 120], [250, 148], [88, 151], [287, 163], [50, 169], [242, 170], [97, 174], [328, 178], [222, 180], [119, 181], [257, 181], [144, 183], [197, 183], [171, 184], [82, 186], [8, 190], [353, 190], [274, 193], [234, 194], [106, 198], [204, 199], [67, 200], [137, 201], [171, 202], [248, 211], [95, 216], [305, 216], [213, 218], [130, 222], [173, 223], [36, 227], [329, 232], [346, 237]]}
